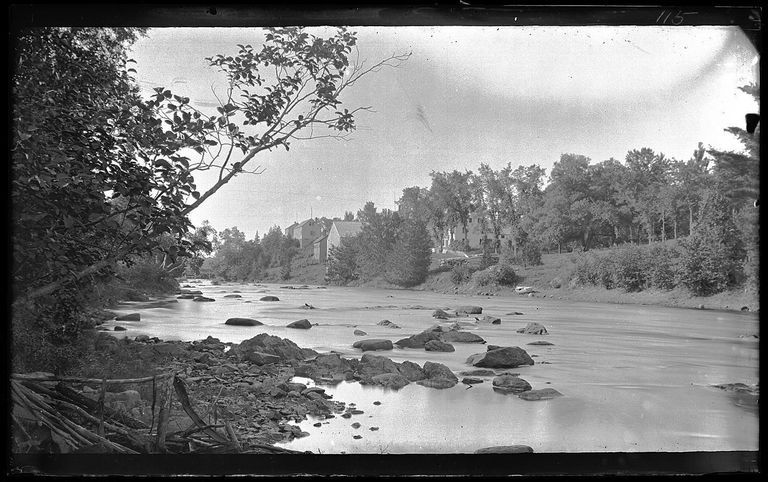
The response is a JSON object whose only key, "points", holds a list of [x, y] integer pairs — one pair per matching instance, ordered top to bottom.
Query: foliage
{"points": [[712, 257], [342, 262], [408, 262], [661, 266], [629, 267], [460, 273], [501, 274]]}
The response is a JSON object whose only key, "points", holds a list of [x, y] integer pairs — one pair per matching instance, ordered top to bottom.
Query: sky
{"points": [[471, 95]]}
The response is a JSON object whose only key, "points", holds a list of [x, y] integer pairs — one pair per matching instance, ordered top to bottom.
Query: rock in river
{"points": [[232, 296], [186, 297], [202, 298], [269, 298], [469, 310], [440, 315], [129, 317], [494, 320], [243, 322], [387, 323], [301, 324], [120, 328], [533, 329], [360, 333], [460, 337], [419, 340], [541, 343], [373, 344], [273, 345], [437, 345], [506, 357], [259, 358], [438, 376], [390, 380], [510, 384], [543, 394], [506, 449]]}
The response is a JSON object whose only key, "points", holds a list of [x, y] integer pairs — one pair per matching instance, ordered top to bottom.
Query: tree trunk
{"points": [[690, 219], [675, 227], [663, 228]]}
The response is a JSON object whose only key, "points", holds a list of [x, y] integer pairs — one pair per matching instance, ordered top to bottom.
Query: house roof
{"points": [[304, 222], [348, 228], [320, 239]]}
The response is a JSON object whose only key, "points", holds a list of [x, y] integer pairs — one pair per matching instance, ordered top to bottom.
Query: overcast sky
{"points": [[467, 95]]}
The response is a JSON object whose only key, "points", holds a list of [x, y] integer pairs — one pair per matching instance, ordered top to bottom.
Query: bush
{"points": [[712, 257], [342, 262], [661, 265], [629, 267], [594, 269], [460, 273], [501, 274], [505, 275], [148, 277]]}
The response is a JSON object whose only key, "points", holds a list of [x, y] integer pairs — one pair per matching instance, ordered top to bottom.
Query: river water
{"points": [[634, 378]]}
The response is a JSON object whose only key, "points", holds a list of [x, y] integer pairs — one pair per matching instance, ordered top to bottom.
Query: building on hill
{"points": [[289, 230], [339, 230], [305, 232], [476, 233], [321, 249]]}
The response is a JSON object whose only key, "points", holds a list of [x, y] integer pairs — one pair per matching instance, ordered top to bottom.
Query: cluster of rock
{"points": [[438, 338], [375, 370]]}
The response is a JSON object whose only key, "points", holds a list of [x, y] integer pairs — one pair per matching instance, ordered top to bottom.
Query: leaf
{"points": [[195, 194]]}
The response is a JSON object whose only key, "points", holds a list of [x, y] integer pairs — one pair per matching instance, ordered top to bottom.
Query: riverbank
{"points": [[549, 280]]}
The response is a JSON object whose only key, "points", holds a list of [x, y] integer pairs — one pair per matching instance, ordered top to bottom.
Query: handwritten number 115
{"points": [[677, 19]]}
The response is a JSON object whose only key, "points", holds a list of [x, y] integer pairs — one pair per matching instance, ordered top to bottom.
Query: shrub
{"points": [[530, 254], [712, 257], [342, 262], [408, 262], [661, 263], [629, 267], [460, 273], [501, 274], [505, 275], [148, 276]]}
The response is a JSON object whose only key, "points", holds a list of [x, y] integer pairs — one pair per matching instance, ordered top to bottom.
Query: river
{"points": [[634, 378]]}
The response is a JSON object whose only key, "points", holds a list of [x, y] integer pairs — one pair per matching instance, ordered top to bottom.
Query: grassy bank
{"points": [[556, 270]]}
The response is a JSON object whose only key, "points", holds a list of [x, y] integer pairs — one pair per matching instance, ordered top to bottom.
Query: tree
{"points": [[99, 171], [408, 261]]}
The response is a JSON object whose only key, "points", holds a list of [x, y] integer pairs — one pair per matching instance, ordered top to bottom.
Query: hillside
{"points": [[555, 267]]}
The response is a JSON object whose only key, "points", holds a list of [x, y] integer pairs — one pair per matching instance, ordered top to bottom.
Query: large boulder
{"points": [[269, 298], [468, 310], [440, 315], [129, 317], [493, 320], [243, 322], [387, 323], [300, 324], [533, 329], [460, 337], [419, 340], [373, 344], [273, 345], [437, 345], [506, 357], [259, 358], [372, 365], [412, 371], [481, 372], [438, 376], [389, 380], [510, 384], [543, 394], [506, 449]]}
